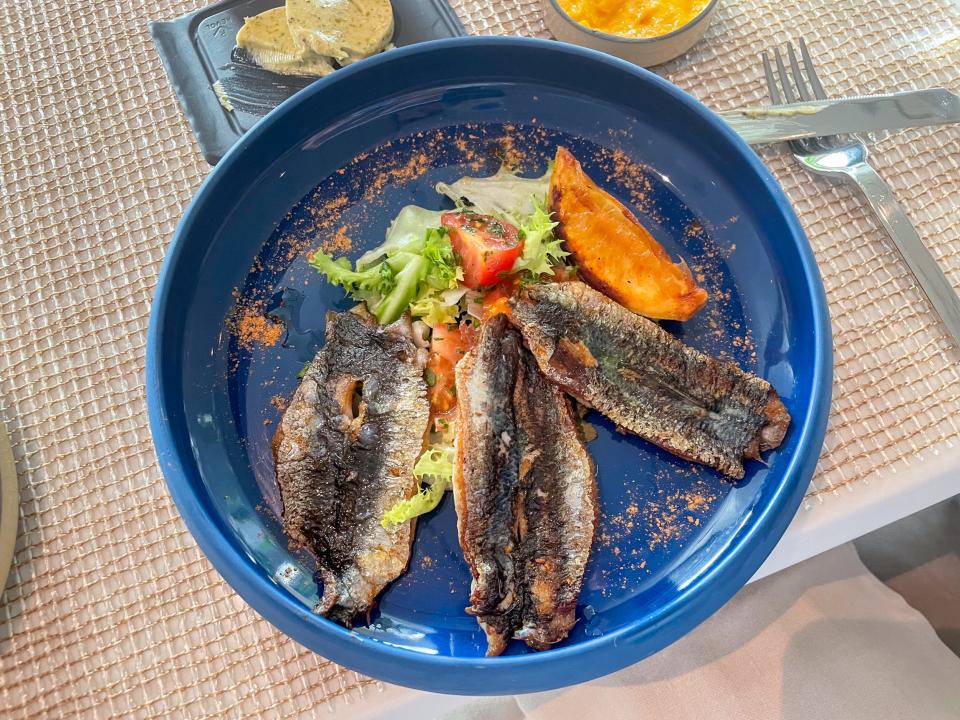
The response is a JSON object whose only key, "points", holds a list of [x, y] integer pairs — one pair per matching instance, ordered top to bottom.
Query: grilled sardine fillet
{"points": [[647, 381], [345, 451], [486, 476], [525, 493], [556, 507]]}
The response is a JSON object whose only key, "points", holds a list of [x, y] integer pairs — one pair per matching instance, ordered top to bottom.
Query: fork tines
{"points": [[796, 88]]}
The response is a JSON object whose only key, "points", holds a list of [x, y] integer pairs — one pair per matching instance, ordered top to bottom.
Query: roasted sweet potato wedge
{"points": [[614, 252]]}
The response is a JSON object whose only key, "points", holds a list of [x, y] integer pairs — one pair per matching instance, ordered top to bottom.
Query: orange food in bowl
{"points": [[633, 18]]}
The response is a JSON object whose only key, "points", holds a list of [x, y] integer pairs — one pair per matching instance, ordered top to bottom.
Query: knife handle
{"points": [[935, 285]]}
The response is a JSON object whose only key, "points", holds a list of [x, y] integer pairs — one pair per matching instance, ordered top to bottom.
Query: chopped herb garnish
{"points": [[430, 376]]}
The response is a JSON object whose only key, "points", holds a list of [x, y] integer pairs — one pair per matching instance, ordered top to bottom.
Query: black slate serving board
{"points": [[197, 50]]}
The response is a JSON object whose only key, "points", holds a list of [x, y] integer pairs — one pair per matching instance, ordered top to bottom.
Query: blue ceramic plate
{"points": [[338, 161]]}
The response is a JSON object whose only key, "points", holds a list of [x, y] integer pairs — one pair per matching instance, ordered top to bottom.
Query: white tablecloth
{"points": [[822, 640]]}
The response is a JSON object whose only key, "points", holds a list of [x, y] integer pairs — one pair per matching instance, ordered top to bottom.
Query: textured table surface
{"points": [[111, 610]]}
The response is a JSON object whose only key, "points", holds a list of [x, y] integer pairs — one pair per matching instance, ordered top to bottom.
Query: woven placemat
{"points": [[111, 610]]}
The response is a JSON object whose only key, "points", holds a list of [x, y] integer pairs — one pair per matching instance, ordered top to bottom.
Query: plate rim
{"points": [[9, 507], [516, 673]]}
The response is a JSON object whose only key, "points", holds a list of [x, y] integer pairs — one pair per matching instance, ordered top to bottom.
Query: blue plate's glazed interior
{"points": [[666, 525]]}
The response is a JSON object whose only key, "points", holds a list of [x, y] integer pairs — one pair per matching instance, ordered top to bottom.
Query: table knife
{"points": [[914, 108]]}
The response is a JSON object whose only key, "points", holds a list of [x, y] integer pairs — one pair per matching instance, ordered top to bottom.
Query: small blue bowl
{"points": [[675, 541]]}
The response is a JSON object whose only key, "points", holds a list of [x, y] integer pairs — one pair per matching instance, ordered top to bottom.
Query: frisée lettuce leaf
{"points": [[542, 250], [411, 269], [435, 308], [436, 463]]}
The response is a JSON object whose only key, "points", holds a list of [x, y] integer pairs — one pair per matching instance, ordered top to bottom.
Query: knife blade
{"points": [[868, 113]]}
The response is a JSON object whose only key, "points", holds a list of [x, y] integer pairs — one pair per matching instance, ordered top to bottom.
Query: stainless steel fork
{"points": [[845, 158]]}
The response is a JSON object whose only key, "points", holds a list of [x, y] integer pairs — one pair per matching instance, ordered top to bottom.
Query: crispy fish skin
{"points": [[647, 381], [344, 453], [486, 480], [525, 492], [556, 507]]}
